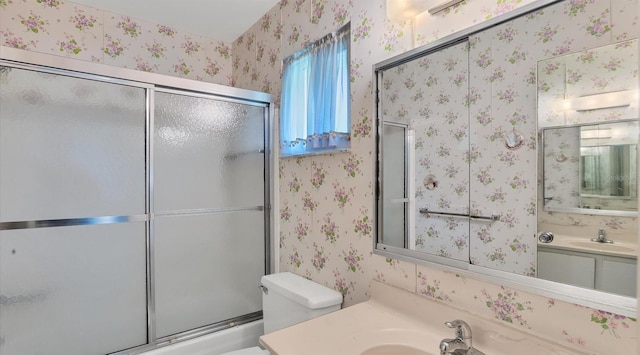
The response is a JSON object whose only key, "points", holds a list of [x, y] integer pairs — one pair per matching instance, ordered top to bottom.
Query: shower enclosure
{"points": [[134, 207]]}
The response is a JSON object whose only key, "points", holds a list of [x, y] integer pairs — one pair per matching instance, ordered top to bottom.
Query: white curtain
{"points": [[315, 105]]}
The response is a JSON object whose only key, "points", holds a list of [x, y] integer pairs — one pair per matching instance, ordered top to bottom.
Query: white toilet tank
{"points": [[288, 299]]}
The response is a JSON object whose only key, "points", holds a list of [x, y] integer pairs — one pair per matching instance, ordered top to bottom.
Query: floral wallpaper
{"points": [[76, 31], [327, 203]]}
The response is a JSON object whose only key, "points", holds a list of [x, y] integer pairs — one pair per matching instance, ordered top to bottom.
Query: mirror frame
{"points": [[616, 213], [599, 300]]}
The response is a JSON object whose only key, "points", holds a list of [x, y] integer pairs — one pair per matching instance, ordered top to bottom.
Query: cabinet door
{"points": [[566, 268], [617, 275]]}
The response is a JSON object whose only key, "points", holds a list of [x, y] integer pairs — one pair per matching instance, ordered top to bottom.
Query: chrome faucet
{"points": [[602, 237], [461, 343]]}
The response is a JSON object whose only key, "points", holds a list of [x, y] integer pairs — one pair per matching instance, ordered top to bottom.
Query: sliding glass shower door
{"points": [[208, 190], [72, 210], [132, 212]]}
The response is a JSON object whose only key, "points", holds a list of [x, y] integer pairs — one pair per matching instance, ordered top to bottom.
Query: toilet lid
{"points": [[248, 351]]}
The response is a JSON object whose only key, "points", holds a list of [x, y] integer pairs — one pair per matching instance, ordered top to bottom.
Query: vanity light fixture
{"points": [[435, 7], [408, 9], [601, 101]]}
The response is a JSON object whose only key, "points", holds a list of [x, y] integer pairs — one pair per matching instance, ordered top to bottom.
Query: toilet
{"points": [[289, 299]]}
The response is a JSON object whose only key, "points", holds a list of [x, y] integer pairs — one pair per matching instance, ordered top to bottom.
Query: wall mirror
{"points": [[459, 148], [591, 167]]}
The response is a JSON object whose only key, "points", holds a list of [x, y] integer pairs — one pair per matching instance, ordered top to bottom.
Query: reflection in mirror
{"points": [[591, 86], [588, 115], [458, 150], [591, 167], [431, 171], [395, 182]]}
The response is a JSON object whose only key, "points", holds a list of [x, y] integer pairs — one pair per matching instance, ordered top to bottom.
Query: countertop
{"points": [[576, 238], [585, 245], [396, 316]]}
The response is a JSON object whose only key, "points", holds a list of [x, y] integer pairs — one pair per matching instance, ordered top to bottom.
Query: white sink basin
{"points": [[395, 341], [394, 349]]}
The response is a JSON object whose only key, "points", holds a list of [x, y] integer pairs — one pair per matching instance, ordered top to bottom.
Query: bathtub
{"points": [[242, 336]]}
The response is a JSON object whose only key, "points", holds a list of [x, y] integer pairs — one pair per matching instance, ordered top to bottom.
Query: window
{"points": [[315, 106]]}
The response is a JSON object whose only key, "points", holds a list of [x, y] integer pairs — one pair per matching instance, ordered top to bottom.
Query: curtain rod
{"points": [[329, 36]]}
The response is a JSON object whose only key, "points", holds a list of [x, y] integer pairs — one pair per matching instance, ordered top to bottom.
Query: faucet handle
{"points": [[463, 330]]}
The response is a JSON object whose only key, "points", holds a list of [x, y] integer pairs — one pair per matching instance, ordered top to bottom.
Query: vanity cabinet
{"points": [[577, 270], [595, 271], [617, 275]]}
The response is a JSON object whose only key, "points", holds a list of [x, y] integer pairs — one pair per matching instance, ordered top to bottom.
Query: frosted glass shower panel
{"points": [[70, 147], [208, 153], [208, 268], [73, 290]]}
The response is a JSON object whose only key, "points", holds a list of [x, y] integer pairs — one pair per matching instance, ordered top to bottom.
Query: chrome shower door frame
{"points": [[150, 82]]}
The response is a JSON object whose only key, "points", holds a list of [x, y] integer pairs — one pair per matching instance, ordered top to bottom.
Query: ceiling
{"points": [[223, 20]]}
